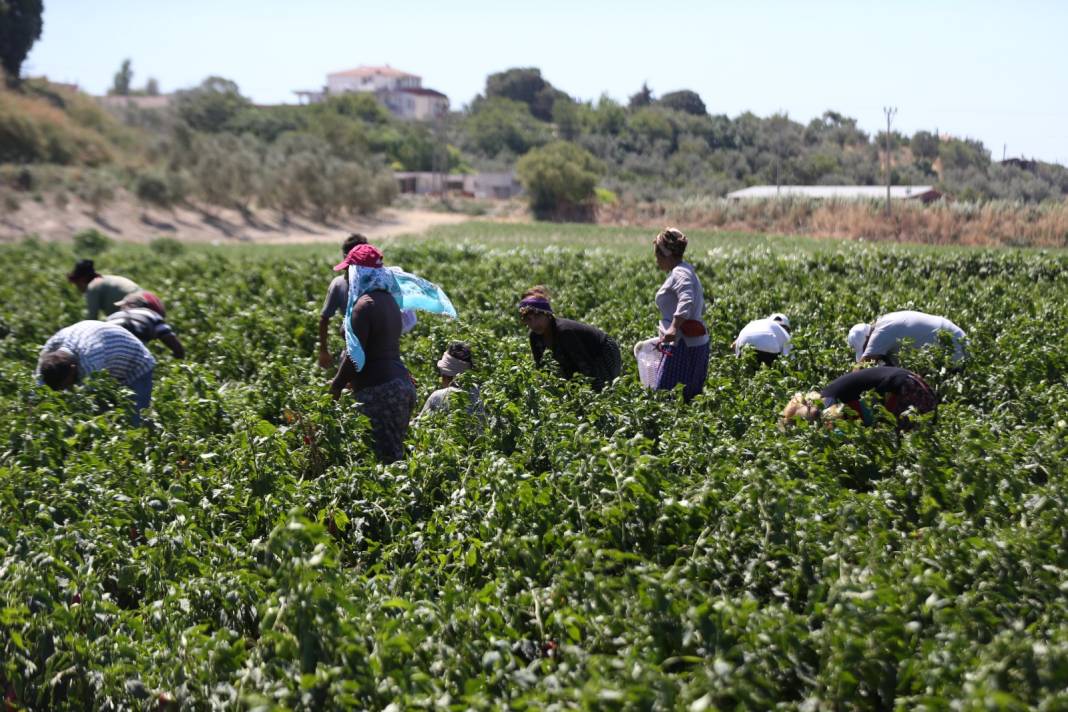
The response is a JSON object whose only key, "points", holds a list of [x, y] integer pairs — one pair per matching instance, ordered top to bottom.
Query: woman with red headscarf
{"points": [[372, 364]]}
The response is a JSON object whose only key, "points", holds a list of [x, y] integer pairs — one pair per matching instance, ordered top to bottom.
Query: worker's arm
{"points": [[171, 341], [326, 360]]}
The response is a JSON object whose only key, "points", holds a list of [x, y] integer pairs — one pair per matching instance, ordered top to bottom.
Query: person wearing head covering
{"points": [[101, 291], [337, 295], [142, 314], [683, 338], [769, 338], [882, 340], [89, 346], [576, 347], [453, 363], [371, 365], [854, 394]]}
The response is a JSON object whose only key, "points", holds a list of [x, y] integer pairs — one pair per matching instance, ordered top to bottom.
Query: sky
{"points": [[982, 70]]}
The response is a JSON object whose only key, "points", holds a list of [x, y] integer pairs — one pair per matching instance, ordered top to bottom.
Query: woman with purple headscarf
{"points": [[576, 347]]}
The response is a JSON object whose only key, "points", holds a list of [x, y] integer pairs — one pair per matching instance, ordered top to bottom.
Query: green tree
{"points": [[20, 27], [123, 80], [526, 85], [152, 87], [644, 97], [684, 100], [211, 105], [498, 125], [924, 144], [560, 179]]}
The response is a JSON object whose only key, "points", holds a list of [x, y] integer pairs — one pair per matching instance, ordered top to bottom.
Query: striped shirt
{"points": [[100, 346]]}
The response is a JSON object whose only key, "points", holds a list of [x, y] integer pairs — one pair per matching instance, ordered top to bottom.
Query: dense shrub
{"points": [[560, 179], [91, 242]]}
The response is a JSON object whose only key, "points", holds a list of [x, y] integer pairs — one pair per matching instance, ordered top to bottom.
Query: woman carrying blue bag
{"points": [[683, 338], [372, 364]]}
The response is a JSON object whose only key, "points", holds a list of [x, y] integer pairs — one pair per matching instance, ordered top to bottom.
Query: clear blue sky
{"points": [[995, 71]]}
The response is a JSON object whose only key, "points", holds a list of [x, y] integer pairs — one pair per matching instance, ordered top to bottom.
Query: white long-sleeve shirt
{"points": [[681, 295], [891, 330], [763, 335]]}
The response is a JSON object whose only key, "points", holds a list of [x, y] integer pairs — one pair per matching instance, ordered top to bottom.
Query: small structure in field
{"points": [[401, 92], [476, 185], [922, 193]]}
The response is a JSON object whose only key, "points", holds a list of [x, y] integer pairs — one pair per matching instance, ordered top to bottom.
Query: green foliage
{"points": [[20, 26], [123, 80], [526, 86], [684, 100], [211, 105], [497, 125], [559, 179], [153, 189], [91, 242], [167, 246], [609, 550], [613, 550]]}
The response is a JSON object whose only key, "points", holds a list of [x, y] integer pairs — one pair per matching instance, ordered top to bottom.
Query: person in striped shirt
{"points": [[89, 346]]}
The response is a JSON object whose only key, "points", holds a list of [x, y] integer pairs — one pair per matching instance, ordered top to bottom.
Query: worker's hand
{"points": [[669, 335], [326, 359]]}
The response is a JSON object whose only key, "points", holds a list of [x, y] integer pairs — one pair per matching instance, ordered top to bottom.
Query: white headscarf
{"points": [[858, 337]]}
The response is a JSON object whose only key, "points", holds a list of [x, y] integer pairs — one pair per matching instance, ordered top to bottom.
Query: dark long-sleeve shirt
{"points": [[580, 348], [881, 379]]}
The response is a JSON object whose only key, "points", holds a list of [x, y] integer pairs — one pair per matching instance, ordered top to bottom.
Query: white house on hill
{"points": [[400, 92]]}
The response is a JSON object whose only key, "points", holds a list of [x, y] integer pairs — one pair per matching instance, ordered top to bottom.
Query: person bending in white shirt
{"points": [[769, 338]]}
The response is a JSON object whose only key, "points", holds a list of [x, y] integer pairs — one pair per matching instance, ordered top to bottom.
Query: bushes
{"points": [[560, 179], [91, 242]]}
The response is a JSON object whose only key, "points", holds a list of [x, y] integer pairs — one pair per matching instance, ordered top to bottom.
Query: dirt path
{"points": [[126, 221]]}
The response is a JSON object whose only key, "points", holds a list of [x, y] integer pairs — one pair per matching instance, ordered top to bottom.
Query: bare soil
{"points": [[127, 221]]}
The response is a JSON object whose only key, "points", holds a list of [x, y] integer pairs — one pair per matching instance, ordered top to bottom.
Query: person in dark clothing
{"points": [[142, 315], [576, 347], [372, 364], [897, 389]]}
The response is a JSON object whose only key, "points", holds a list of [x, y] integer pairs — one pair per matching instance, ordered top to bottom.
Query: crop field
{"points": [[613, 550]]}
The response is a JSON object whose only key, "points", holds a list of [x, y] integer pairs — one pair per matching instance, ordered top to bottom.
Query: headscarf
{"points": [[671, 241], [361, 281], [535, 304], [858, 338], [455, 360]]}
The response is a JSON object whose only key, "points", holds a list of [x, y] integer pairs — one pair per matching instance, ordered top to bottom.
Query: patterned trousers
{"points": [[683, 364], [389, 407]]}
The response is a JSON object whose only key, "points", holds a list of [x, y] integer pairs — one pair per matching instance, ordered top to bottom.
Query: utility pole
{"points": [[889, 111]]}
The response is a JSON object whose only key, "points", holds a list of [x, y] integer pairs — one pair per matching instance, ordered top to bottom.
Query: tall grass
{"points": [[942, 223]]}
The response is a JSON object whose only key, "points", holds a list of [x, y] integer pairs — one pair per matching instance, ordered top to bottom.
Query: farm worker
{"points": [[101, 291], [337, 296], [142, 315], [683, 337], [767, 337], [882, 340], [89, 346], [576, 347], [453, 363], [372, 366], [896, 389]]}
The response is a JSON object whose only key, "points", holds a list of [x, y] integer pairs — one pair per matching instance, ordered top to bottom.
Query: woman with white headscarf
{"points": [[453, 363]]}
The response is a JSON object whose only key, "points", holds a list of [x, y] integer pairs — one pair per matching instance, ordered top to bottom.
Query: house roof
{"points": [[366, 71], [419, 91], [845, 192]]}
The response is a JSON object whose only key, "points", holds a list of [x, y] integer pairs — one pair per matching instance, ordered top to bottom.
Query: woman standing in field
{"points": [[683, 337], [577, 347], [372, 366]]}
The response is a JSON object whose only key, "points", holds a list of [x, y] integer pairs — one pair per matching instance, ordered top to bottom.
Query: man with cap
{"points": [[102, 291], [337, 295], [142, 314], [769, 338], [882, 340], [89, 346], [453, 363], [371, 365]]}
